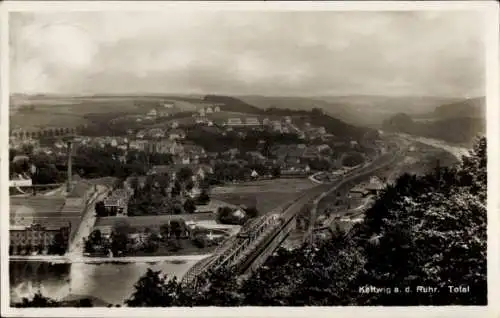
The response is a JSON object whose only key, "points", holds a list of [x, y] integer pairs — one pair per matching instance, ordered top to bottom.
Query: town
{"points": [[165, 189]]}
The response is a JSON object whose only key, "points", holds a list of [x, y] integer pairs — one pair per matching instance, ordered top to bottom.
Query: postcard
{"points": [[249, 159]]}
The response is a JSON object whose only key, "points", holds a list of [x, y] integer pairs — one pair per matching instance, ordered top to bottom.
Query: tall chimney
{"points": [[70, 173]]}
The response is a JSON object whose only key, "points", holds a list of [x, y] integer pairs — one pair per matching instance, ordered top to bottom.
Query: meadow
{"points": [[265, 195]]}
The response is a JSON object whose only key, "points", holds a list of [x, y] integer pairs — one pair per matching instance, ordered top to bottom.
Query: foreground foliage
{"points": [[427, 231]]}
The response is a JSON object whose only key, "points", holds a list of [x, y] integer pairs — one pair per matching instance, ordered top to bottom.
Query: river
{"points": [[111, 283]]}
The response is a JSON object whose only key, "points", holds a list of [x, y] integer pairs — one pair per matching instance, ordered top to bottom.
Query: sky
{"points": [[425, 53]]}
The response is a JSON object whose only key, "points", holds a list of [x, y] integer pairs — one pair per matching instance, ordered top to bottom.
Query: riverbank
{"points": [[104, 260]]}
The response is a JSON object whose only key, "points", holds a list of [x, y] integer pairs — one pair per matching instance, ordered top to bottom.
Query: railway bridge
{"points": [[260, 237]]}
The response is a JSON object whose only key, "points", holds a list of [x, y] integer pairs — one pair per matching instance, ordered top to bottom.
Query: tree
{"points": [[276, 172], [184, 174], [134, 183], [189, 185], [176, 189], [203, 198], [189, 206], [100, 209], [251, 212], [178, 227], [408, 228], [165, 231], [95, 237], [119, 238], [152, 242], [59, 244], [154, 290], [222, 290], [38, 301], [85, 302]]}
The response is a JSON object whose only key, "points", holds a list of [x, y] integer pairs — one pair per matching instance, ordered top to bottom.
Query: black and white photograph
{"points": [[225, 156]]}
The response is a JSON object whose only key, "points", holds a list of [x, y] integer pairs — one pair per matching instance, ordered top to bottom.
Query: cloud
{"points": [[273, 53]]}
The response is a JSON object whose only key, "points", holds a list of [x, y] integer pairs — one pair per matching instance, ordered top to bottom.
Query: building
{"points": [[216, 109], [209, 110], [201, 112], [152, 113], [163, 113], [252, 121], [234, 122], [276, 126], [157, 133], [141, 134], [176, 134], [138, 145], [199, 170], [117, 202], [36, 221], [38, 237]]}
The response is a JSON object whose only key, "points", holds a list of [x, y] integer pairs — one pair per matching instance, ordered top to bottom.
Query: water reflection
{"points": [[26, 278], [110, 283]]}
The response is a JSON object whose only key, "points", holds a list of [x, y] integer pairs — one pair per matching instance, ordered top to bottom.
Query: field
{"points": [[67, 111], [265, 195], [151, 221]]}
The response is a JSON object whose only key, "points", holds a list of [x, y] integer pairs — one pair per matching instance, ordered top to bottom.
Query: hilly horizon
{"points": [[457, 122]]}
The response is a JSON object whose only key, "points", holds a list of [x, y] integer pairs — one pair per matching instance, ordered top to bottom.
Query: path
{"points": [[75, 249]]}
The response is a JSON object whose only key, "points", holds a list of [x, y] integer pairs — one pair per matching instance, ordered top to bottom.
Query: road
{"points": [[75, 249]]}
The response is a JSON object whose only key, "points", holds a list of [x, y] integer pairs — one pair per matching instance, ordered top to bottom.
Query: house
{"points": [[168, 105], [216, 109], [209, 110], [201, 112], [152, 113], [163, 113], [288, 120], [252, 121], [266, 121], [234, 122], [174, 124], [276, 126], [156, 133], [141, 134], [176, 134], [138, 144], [165, 146], [193, 150], [232, 152], [255, 155], [295, 169], [199, 170], [202, 170], [254, 174], [375, 185], [358, 192], [117, 202], [36, 236]]}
